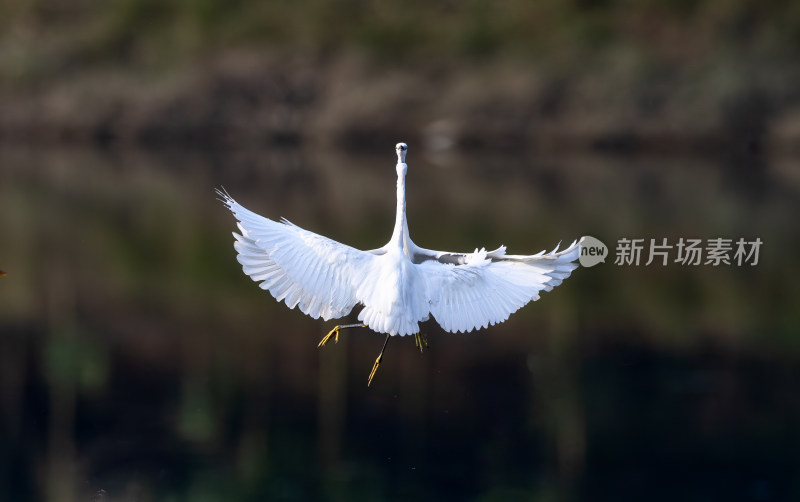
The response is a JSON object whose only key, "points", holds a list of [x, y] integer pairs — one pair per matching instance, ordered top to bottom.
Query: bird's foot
{"points": [[335, 333], [327, 338], [420, 340], [377, 361], [374, 369]]}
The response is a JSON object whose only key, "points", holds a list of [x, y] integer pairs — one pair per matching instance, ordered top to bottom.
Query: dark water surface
{"points": [[138, 363]]}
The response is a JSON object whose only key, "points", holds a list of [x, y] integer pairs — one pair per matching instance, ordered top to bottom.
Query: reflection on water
{"points": [[137, 362]]}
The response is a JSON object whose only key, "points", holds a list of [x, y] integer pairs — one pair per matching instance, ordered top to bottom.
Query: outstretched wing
{"points": [[297, 266], [474, 290]]}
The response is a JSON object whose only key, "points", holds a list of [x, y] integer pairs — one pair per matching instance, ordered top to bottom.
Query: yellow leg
{"points": [[335, 333], [327, 338], [419, 341], [377, 362], [374, 369]]}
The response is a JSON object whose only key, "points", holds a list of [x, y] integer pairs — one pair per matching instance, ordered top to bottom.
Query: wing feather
{"points": [[302, 268], [489, 287]]}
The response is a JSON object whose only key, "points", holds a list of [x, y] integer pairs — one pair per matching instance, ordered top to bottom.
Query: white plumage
{"points": [[399, 284]]}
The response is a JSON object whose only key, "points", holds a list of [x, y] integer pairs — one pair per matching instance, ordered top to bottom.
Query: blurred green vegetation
{"points": [[45, 37], [136, 358]]}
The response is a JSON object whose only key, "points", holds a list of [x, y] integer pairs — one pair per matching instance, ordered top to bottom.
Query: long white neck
{"points": [[400, 232]]}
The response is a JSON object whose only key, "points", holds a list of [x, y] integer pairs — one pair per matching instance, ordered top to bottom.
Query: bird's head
{"points": [[401, 149]]}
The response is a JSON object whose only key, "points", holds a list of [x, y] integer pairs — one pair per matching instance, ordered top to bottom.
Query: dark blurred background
{"points": [[138, 363]]}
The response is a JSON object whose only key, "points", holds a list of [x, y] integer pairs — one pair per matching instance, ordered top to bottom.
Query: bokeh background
{"points": [[137, 362]]}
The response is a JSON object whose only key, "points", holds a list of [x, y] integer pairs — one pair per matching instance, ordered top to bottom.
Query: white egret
{"points": [[399, 284]]}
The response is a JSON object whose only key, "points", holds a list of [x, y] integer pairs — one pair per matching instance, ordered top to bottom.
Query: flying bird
{"points": [[399, 284]]}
